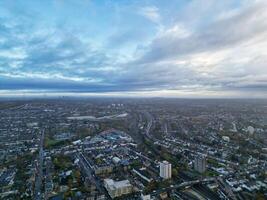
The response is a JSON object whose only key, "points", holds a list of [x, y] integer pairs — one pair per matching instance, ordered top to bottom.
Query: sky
{"points": [[154, 48]]}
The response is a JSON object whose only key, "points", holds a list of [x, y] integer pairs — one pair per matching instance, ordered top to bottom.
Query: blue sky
{"points": [[176, 48]]}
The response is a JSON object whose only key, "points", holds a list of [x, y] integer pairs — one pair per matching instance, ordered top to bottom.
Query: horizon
{"points": [[198, 49], [90, 96]]}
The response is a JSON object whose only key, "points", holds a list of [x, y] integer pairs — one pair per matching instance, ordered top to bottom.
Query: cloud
{"points": [[151, 13], [220, 34], [223, 55], [53, 61]]}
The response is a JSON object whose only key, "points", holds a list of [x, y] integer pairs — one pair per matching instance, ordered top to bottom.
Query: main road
{"points": [[39, 175]]}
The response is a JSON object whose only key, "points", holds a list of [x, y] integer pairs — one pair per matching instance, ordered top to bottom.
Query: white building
{"points": [[251, 130], [226, 138], [116, 160], [200, 164], [165, 170], [118, 188], [145, 197]]}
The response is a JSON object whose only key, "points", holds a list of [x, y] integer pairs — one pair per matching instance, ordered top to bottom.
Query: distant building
{"points": [[251, 130], [63, 136], [226, 138], [76, 142], [116, 160], [200, 164], [105, 169], [165, 170], [118, 188], [163, 195], [145, 197]]}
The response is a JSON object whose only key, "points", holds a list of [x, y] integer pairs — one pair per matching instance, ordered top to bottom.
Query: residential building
{"points": [[200, 164], [165, 170], [118, 188]]}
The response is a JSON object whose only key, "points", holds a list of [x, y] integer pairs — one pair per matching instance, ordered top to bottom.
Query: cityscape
{"points": [[133, 99], [133, 149]]}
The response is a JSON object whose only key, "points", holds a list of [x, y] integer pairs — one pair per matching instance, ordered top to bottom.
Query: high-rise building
{"points": [[251, 130], [200, 164], [165, 170]]}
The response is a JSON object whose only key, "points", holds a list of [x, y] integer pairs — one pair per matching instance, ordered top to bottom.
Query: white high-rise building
{"points": [[251, 130], [200, 164], [165, 170]]}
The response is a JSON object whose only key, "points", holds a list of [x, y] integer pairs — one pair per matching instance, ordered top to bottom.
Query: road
{"points": [[149, 123], [86, 166], [39, 175]]}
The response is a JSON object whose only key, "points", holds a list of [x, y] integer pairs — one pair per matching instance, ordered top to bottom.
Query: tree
{"points": [[174, 172], [153, 185]]}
